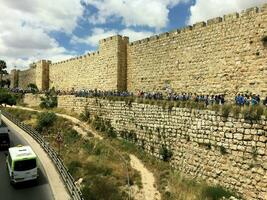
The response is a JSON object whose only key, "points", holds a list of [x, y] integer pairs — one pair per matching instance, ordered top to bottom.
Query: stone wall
{"points": [[224, 55], [96, 70], [42, 74], [26, 77], [32, 100], [231, 152]]}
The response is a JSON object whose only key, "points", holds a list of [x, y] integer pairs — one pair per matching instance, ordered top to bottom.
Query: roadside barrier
{"points": [[74, 191]]}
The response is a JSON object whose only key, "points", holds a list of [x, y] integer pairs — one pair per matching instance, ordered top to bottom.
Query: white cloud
{"points": [[207, 9], [151, 13], [48, 14], [26, 26], [99, 33]]}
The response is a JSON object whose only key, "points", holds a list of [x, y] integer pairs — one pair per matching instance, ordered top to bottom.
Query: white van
{"points": [[21, 164]]}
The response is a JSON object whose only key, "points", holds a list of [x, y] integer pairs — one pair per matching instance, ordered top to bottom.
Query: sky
{"points": [[57, 30]]}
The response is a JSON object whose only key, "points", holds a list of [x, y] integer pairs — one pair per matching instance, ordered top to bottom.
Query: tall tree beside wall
{"points": [[2, 70]]}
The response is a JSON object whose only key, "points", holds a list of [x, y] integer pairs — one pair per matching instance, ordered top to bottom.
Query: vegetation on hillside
{"points": [[8, 98], [102, 169]]}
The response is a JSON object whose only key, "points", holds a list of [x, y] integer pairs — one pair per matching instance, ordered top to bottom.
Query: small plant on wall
{"points": [[264, 40], [165, 153]]}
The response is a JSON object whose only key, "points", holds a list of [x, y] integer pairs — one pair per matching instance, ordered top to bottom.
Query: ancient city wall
{"points": [[224, 55], [96, 70], [26, 77], [32, 100], [231, 152]]}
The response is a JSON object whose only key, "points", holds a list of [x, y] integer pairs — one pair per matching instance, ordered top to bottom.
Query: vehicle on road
{"points": [[4, 138], [21, 164]]}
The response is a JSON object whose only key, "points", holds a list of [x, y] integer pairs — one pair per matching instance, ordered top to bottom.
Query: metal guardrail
{"points": [[74, 191]]}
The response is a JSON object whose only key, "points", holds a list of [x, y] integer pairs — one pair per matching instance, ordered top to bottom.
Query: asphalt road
{"points": [[28, 191]]}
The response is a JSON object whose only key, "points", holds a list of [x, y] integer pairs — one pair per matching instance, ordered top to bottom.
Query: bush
{"points": [[264, 40], [33, 88], [7, 98], [50, 100], [216, 107], [226, 109], [236, 111], [253, 112], [259, 112], [85, 115], [45, 120], [104, 126], [71, 136], [223, 150], [254, 152], [165, 153], [73, 167], [101, 188], [216, 193]]}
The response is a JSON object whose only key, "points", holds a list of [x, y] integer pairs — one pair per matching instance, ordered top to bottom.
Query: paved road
{"points": [[41, 191]]}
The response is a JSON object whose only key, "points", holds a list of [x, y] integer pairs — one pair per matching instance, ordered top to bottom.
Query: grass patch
{"points": [[96, 162], [104, 173], [216, 193]]}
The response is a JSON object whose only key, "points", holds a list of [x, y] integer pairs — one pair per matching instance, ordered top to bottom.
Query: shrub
{"points": [[264, 40], [33, 88], [7, 98], [50, 99], [170, 106], [216, 107], [226, 109], [236, 111], [253, 112], [259, 112], [85, 115], [45, 120], [104, 126], [71, 136], [223, 150], [254, 152], [165, 153], [73, 167], [101, 188], [216, 193]]}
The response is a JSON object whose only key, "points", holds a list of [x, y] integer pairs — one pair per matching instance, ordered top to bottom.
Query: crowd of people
{"points": [[100, 93], [240, 99], [249, 99]]}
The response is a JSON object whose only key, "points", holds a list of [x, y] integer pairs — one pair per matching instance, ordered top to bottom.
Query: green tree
{"points": [[2, 70], [7, 98], [50, 99]]}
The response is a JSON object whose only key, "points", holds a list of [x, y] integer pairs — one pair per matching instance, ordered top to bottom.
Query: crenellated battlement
{"points": [[201, 25]]}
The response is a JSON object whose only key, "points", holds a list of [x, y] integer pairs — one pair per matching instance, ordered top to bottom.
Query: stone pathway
{"points": [[149, 191]]}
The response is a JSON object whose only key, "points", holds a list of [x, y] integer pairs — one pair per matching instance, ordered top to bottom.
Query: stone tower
{"points": [[116, 47], [42, 74]]}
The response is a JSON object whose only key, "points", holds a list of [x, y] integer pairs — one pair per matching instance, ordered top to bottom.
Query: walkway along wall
{"points": [[225, 55], [230, 152]]}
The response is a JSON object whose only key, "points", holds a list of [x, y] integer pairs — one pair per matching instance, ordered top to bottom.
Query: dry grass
{"points": [[92, 160], [97, 163]]}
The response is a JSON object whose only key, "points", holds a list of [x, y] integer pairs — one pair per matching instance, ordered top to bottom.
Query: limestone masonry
{"points": [[225, 55], [231, 152]]}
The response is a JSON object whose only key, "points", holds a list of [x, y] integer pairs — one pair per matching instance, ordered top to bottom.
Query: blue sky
{"points": [[58, 30]]}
